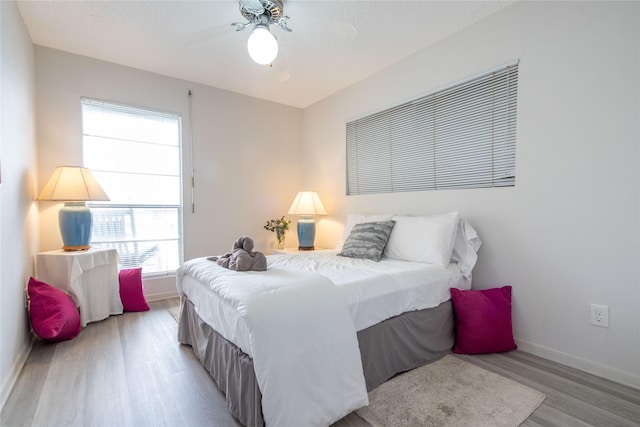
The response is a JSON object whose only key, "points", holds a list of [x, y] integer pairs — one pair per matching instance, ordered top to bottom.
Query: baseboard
{"points": [[159, 288], [158, 296], [626, 378], [10, 382]]}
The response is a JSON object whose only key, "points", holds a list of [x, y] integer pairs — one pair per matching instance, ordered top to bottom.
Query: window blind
{"points": [[463, 136], [135, 155]]}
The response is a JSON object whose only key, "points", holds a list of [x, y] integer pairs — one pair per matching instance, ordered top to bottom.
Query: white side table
{"points": [[89, 277]]}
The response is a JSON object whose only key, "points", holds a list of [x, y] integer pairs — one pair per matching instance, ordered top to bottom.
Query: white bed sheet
{"points": [[373, 291]]}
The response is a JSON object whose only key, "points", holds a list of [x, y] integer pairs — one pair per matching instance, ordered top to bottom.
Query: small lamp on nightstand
{"points": [[73, 185], [307, 204]]}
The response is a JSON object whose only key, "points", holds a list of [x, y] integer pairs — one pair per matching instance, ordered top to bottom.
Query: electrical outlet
{"points": [[600, 315]]}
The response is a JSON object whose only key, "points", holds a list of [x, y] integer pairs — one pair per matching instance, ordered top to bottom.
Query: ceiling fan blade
{"points": [[323, 29], [343, 30], [207, 34]]}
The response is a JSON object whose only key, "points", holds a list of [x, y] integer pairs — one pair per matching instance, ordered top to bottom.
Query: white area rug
{"points": [[450, 392]]}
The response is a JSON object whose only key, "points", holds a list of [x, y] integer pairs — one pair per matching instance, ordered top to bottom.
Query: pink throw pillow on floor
{"points": [[131, 290], [53, 314], [483, 320]]}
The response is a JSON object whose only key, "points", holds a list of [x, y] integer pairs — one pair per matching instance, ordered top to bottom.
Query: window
{"points": [[460, 137], [135, 155]]}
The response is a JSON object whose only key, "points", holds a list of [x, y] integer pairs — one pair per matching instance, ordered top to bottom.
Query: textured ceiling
{"points": [[333, 43]]}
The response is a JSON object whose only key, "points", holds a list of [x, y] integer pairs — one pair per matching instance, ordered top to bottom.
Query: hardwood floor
{"points": [[129, 370]]}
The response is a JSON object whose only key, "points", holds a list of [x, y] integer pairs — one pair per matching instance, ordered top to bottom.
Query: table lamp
{"points": [[73, 185], [307, 204]]}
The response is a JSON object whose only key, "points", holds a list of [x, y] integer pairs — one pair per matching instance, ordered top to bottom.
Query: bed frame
{"points": [[393, 346]]}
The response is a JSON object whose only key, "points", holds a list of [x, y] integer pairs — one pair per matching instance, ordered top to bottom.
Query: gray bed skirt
{"points": [[396, 345]]}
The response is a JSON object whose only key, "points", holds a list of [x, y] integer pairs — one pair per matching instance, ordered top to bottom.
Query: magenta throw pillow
{"points": [[131, 290], [53, 314], [483, 320]]}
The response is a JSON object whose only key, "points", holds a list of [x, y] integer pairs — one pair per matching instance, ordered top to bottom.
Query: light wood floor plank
{"points": [[130, 370], [28, 389], [581, 397], [547, 416]]}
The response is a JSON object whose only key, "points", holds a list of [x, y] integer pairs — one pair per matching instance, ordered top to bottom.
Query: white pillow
{"points": [[353, 219], [427, 239], [465, 248]]}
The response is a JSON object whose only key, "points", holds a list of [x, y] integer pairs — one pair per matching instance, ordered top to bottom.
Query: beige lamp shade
{"points": [[72, 184], [307, 203]]}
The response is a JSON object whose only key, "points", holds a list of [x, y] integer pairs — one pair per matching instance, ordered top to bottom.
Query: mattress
{"points": [[373, 291]]}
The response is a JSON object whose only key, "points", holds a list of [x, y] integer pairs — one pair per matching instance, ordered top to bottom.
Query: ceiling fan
{"points": [[260, 15], [262, 44]]}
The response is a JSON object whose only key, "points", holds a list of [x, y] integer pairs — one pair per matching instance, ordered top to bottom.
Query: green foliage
{"points": [[278, 225]]}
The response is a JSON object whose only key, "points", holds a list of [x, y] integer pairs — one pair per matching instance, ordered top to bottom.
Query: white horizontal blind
{"points": [[460, 137], [135, 155]]}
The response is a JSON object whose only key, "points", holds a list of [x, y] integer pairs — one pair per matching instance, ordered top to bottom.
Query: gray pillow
{"points": [[367, 240]]}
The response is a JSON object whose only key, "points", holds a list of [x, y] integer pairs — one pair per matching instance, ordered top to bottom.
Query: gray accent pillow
{"points": [[367, 240]]}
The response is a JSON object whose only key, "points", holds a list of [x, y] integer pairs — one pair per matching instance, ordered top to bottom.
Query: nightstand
{"points": [[89, 277]]}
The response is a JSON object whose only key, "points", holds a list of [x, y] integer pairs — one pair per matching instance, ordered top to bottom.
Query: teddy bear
{"points": [[242, 257]]}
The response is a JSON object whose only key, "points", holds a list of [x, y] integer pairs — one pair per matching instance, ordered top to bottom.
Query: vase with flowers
{"points": [[279, 226]]}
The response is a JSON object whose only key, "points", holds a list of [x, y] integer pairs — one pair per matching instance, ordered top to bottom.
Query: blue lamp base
{"points": [[75, 226], [306, 233]]}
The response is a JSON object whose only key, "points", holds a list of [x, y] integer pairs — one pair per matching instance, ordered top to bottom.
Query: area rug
{"points": [[450, 392]]}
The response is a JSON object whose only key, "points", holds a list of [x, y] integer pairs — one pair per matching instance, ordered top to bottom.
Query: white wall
{"points": [[245, 151], [18, 216], [567, 234]]}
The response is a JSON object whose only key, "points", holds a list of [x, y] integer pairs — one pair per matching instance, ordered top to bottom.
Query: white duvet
{"points": [[373, 291], [377, 291], [299, 332]]}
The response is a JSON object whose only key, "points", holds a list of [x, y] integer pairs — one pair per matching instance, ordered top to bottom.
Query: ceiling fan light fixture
{"points": [[262, 45]]}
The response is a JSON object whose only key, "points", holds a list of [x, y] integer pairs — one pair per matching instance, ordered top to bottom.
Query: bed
{"points": [[397, 310]]}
